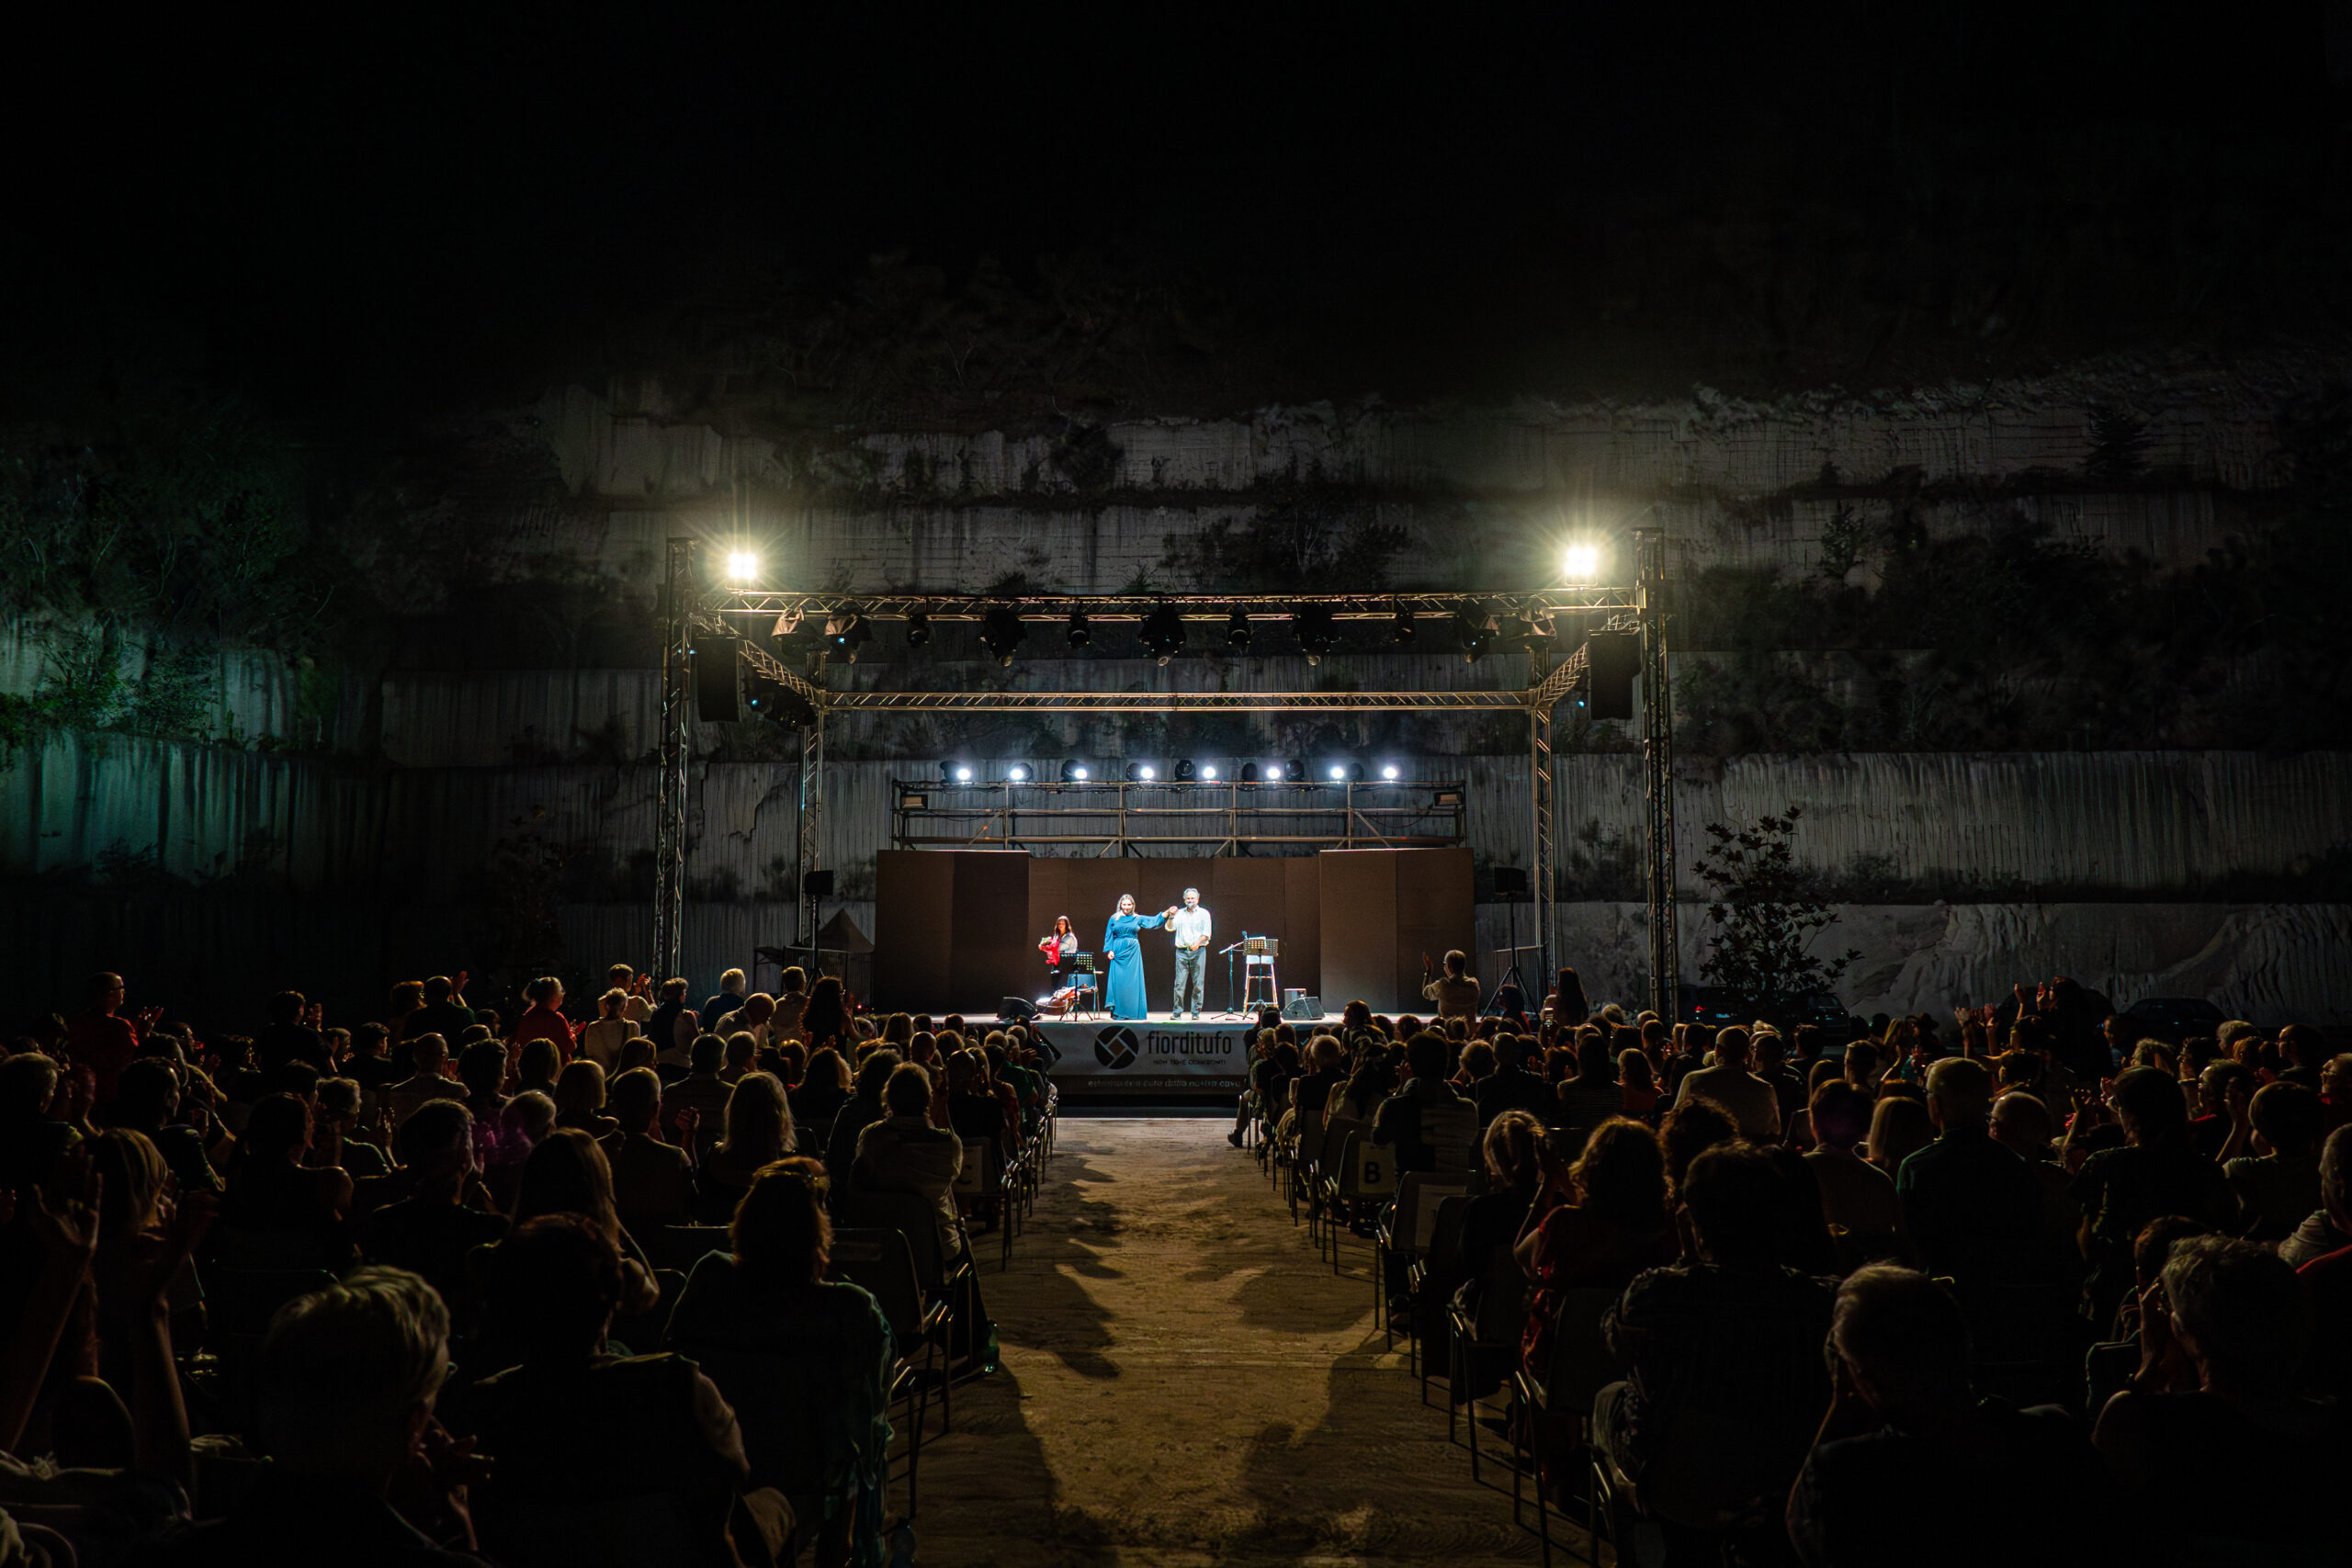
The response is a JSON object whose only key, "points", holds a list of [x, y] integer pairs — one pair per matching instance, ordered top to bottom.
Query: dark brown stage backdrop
{"points": [[948, 930]]}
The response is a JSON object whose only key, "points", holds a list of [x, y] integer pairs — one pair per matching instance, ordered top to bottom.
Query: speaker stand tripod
{"points": [[1512, 976]]}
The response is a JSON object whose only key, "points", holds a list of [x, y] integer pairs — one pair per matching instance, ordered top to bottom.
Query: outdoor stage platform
{"points": [[1158, 1057]]}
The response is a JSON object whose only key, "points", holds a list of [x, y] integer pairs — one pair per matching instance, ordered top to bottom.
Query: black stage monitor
{"points": [[1615, 659], [718, 680], [817, 884]]}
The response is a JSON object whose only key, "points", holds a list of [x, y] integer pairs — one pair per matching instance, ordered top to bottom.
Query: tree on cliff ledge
{"points": [[1766, 915]]}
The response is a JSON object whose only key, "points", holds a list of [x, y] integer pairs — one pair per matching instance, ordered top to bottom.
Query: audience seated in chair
{"points": [[807, 1362]]}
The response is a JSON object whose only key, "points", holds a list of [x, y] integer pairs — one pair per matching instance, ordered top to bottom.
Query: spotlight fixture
{"points": [[1581, 564], [742, 565], [918, 629], [1237, 629], [1473, 629], [1002, 631], [1402, 631], [1318, 633], [1080, 634], [1163, 634], [844, 635], [775, 701], [1073, 770], [1185, 770], [1209, 771], [1295, 771], [946, 772], [1141, 772], [1249, 772], [1337, 772], [1355, 772], [1389, 772], [964, 773], [1018, 774]]}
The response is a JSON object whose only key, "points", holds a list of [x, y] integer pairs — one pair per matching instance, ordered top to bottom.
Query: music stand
{"points": [[1230, 1011]]}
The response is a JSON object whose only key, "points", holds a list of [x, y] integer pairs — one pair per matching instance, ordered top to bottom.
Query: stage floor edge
{"points": [[1158, 1056]]}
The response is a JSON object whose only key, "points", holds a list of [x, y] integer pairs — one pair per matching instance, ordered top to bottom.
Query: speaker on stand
{"points": [[1510, 887]]}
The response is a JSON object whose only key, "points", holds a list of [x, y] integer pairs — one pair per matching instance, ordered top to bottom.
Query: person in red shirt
{"points": [[544, 1019], [104, 1042]]}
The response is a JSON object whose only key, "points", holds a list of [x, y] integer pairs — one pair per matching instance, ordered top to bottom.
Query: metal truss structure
{"points": [[1532, 619]]}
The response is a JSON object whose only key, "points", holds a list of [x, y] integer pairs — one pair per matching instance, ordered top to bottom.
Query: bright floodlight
{"points": [[1582, 563], [742, 565], [1208, 770], [1017, 772], [1147, 772], [1389, 772], [1338, 773], [1079, 774], [963, 775]]}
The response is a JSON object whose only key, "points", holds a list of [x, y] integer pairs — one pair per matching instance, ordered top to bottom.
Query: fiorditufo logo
{"points": [[1115, 1047]]}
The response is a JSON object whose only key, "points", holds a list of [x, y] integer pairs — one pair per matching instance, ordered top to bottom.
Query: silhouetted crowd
{"points": [[445, 1285], [2023, 1285]]}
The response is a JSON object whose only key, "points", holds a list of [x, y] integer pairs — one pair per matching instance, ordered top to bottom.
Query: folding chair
{"points": [[1327, 1160], [1367, 1171], [982, 1181], [1405, 1232], [1445, 1243], [682, 1246], [941, 1281], [1480, 1340], [1580, 1368]]}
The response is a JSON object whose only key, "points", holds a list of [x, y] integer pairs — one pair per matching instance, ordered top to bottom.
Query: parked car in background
{"points": [[1718, 1006], [2173, 1019]]}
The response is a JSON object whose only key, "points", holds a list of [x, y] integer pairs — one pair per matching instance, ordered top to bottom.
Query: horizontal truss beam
{"points": [[1136, 607], [1173, 702]]}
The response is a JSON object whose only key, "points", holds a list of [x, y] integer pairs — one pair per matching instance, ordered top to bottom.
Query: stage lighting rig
{"points": [[1580, 564], [742, 565], [918, 629], [1473, 629], [1236, 630], [1403, 630], [1002, 631], [1318, 633], [1080, 634], [844, 635], [1162, 635], [775, 701], [954, 770], [1184, 771], [1208, 771], [1295, 771], [1073, 772], [1141, 772], [1249, 772], [1337, 772], [1390, 772], [1018, 774]]}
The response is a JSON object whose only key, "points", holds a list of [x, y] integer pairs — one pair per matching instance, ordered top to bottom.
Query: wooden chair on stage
{"points": [[1090, 991]]}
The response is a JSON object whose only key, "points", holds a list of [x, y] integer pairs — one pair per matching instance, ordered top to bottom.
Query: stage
{"points": [[1153, 1056]]}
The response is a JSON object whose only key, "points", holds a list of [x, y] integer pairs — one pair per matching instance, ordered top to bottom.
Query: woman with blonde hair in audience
{"points": [[580, 1099], [760, 1131], [567, 1174]]}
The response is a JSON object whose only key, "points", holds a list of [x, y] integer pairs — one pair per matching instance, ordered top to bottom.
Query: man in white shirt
{"points": [[1190, 927], [1748, 1099]]}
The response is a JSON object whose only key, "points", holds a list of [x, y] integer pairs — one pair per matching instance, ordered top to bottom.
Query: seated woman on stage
{"points": [[1061, 951], [1123, 988]]}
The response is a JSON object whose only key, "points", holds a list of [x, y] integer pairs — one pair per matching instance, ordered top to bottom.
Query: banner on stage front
{"points": [[1106, 1057]]}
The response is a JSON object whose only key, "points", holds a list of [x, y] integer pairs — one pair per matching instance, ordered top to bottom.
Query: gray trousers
{"points": [[1190, 965]]}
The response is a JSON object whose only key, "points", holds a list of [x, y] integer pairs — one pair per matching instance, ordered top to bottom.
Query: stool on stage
{"points": [[1257, 954]]}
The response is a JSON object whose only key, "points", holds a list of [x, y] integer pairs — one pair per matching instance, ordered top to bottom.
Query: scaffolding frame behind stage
{"points": [[688, 607]]}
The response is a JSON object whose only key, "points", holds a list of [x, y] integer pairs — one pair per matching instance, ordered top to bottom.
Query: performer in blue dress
{"points": [[1123, 986]]}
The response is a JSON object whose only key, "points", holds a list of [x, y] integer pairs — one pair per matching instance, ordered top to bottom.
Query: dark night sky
{"points": [[329, 216]]}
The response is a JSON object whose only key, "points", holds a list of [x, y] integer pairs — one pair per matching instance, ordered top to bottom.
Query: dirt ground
{"points": [[1184, 1382]]}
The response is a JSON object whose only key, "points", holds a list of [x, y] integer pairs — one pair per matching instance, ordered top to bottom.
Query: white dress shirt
{"points": [[1191, 926]]}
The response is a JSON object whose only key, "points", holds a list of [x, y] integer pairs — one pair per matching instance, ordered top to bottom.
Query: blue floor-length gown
{"points": [[1123, 988]]}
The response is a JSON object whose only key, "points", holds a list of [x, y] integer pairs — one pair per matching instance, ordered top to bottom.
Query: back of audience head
{"points": [[1731, 1046], [706, 1055], [1427, 1055], [1634, 1070], [874, 1071], [907, 1092], [579, 1093], [1960, 1093], [637, 1099], [2150, 1106], [530, 1114], [1840, 1115], [2289, 1118], [758, 1120], [2022, 1124], [1900, 1127], [1690, 1128], [1514, 1149], [567, 1174], [1621, 1175], [131, 1176], [1733, 1193], [780, 1236], [2151, 1248], [551, 1286], [2242, 1315], [1904, 1343], [347, 1378]]}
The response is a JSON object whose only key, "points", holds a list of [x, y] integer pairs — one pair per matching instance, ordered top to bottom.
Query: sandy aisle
{"points": [[1185, 1382]]}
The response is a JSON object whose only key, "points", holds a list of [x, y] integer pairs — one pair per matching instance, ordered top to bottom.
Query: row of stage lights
{"points": [[1161, 633], [1281, 770]]}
